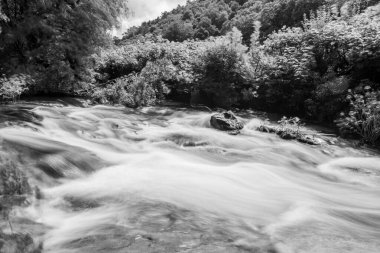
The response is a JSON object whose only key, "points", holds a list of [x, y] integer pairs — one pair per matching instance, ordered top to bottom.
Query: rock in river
{"points": [[226, 121]]}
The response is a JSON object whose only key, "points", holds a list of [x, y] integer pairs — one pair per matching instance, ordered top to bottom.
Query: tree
{"points": [[205, 29], [179, 31], [52, 39], [222, 69]]}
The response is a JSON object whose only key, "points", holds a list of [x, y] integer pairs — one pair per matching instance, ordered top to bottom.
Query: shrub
{"points": [[294, 65], [222, 70], [13, 87], [130, 91], [138, 93], [328, 99], [363, 118], [290, 126]]}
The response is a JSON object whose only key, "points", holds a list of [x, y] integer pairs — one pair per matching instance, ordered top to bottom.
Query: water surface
{"points": [[160, 179]]}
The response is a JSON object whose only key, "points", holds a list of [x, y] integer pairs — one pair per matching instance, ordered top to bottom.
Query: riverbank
{"points": [[28, 103]]}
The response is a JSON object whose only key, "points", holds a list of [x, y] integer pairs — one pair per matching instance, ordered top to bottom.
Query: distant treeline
{"points": [[201, 19]]}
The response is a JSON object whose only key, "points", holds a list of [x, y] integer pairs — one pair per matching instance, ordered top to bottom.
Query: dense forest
{"points": [[204, 18], [316, 59]]}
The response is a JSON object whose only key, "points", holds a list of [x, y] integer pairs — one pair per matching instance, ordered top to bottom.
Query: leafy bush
{"points": [[294, 66], [166, 67], [222, 70], [13, 87], [130, 91], [328, 99], [363, 118], [290, 126]]}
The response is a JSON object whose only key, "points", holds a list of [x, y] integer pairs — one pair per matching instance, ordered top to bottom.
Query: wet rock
{"points": [[226, 121], [267, 129], [236, 132], [287, 135], [309, 139], [186, 140], [331, 141], [79, 204]]}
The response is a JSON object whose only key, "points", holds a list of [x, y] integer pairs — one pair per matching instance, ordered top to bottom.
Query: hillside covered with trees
{"points": [[201, 19]]}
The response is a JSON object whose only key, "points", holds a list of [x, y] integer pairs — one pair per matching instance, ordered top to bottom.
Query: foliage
{"points": [[201, 19], [179, 31], [52, 39], [161, 66], [215, 66], [295, 66], [222, 70], [11, 88], [130, 91], [363, 118], [290, 125]]}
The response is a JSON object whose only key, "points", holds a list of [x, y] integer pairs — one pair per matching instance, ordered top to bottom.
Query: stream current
{"points": [[160, 179]]}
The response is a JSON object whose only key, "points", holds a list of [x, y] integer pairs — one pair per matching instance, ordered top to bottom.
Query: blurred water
{"points": [[161, 180]]}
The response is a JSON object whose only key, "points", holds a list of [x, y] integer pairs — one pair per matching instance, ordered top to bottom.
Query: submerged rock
{"points": [[226, 121], [267, 129], [235, 132], [287, 135], [291, 135], [309, 139]]}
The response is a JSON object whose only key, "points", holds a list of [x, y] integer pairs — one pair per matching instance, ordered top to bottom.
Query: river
{"points": [[160, 179]]}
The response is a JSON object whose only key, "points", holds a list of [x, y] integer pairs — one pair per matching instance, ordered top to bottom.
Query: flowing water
{"points": [[161, 179]]}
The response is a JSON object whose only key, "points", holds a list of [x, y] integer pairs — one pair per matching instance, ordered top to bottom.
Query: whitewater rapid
{"points": [[160, 179]]}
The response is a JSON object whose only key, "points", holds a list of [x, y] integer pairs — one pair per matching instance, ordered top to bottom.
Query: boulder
{"points": [[226, 121]]}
